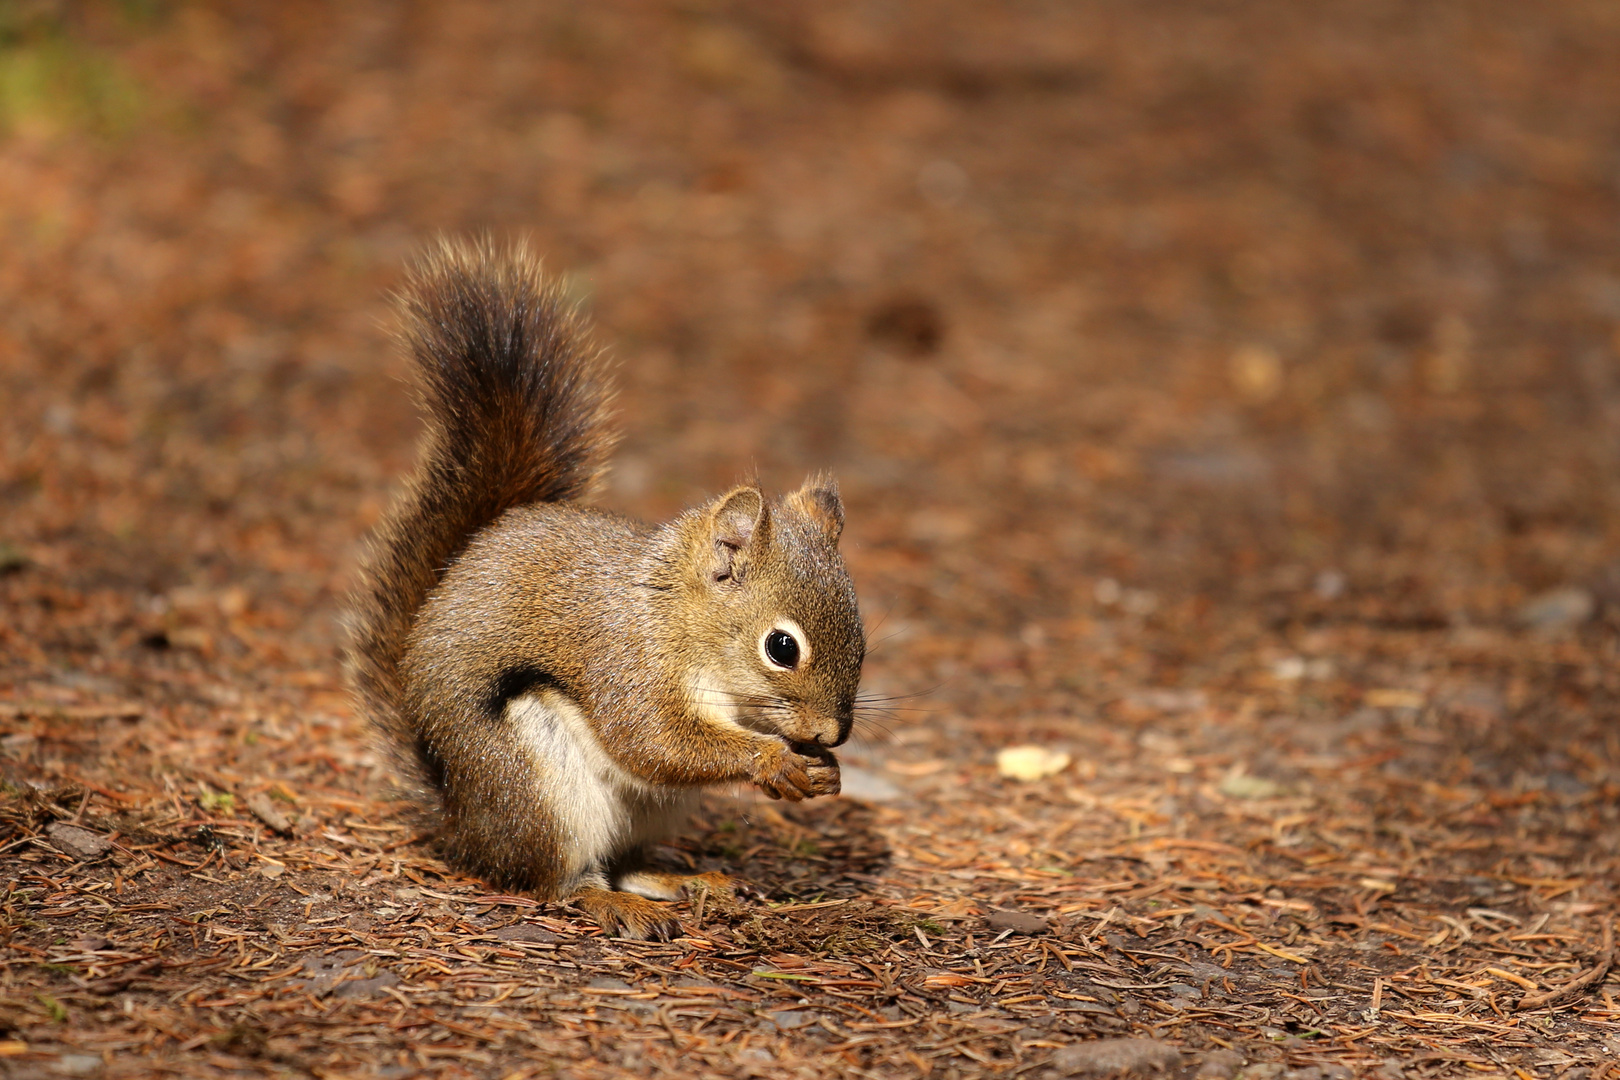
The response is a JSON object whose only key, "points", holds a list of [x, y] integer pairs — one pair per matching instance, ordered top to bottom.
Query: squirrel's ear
{"points": [[818, 500], [740, 525]]}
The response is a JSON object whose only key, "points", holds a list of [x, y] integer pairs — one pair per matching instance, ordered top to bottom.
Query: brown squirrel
{"points": [[563, 679]]}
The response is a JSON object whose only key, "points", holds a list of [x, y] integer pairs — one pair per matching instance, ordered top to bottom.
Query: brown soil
{"points": [[1224, 394]]}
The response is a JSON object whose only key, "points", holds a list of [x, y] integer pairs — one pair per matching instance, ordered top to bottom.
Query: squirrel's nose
{"points": [[841, 735]]}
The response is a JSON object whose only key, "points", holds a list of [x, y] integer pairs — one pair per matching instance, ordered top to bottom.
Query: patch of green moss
{"points": [[53, 82]]}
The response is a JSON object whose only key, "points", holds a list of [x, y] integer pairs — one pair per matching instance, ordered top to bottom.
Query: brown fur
{"points": [[515, 403], [497, 615]]}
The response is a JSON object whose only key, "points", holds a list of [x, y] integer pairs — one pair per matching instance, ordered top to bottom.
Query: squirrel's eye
{"points": [[782, 649]]}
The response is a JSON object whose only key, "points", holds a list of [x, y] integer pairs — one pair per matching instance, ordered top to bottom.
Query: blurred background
{"points": [[1145, 338], [1225, 394]]}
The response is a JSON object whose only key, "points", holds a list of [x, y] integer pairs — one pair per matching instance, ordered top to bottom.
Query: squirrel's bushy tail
{"points": [[516, 403]]}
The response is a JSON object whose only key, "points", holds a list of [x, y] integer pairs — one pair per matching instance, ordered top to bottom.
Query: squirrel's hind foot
{"points": [[662, 885], [633, 910], [626, 915]]}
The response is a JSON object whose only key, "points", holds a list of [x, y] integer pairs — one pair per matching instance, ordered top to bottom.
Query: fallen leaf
{"points": [[1394, 699], [1031, 762], [1244, 786]]}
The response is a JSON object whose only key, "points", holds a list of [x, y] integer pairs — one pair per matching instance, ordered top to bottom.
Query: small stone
{"points": [[1207, 469], [1329, 585], [1557, 609], [1289, 668], [1163, 700], [1563, 783], [77, 842], [1019, 922], [526, 932], [326, 971], [1204, 971], [366, 988], [622, 1001], [1117, 1057], [78, 1064], [1219, 1065], [1267, 1071]]}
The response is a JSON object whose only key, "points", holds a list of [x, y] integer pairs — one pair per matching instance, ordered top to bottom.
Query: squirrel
{"points": [[565, 680]]}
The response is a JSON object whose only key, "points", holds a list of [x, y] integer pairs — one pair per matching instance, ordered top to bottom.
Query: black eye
{"points": [[782, 649]]}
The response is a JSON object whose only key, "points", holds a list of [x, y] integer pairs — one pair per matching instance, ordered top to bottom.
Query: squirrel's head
{"points": [[773, 634]]}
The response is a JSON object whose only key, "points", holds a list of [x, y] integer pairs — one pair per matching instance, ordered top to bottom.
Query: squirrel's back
{"points": [[515, 399]]}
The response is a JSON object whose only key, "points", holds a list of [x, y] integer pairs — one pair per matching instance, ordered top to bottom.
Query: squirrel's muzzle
{"points": [[845, 721]]}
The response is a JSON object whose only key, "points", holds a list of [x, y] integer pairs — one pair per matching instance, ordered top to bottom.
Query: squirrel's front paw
{"points": [[822, 769], [793, 774]]}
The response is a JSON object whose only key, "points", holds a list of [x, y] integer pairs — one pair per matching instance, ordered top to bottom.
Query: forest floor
{"points": [[1225, 396]]}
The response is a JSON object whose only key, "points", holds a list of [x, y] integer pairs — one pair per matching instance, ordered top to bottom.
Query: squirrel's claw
{"points": [[793, 774], [824, 777], [626, 915]]}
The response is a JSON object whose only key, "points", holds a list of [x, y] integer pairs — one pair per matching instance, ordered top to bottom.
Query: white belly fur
{"points": [[602, 810]]}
